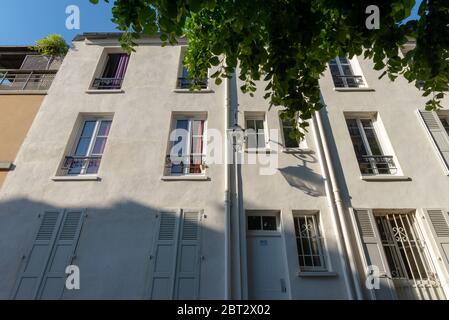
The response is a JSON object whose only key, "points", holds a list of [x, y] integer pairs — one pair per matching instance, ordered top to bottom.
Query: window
{"points": [[113, 73], [343, 74], [184, 80], [445, 123], [288, 127], [255, 131], [367, 148], [187, 154], [86, 156], [262, 223], [309, 243]]}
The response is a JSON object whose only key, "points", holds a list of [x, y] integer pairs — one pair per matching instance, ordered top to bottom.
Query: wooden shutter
{"points": [[438, 134], [439, 221], [374, 252], [163, 257], [189, 259], [36, 261], [53, 282]]}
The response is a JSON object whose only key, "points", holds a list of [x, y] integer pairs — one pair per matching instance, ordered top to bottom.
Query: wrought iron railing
{"points": [[17, 79], [351, 81], [107, 83], [186, 83], [378, 164], [76, 165], [183, 165]]}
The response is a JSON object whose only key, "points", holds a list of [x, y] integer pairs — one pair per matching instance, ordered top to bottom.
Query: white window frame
{"points": [[356, 72], [180, 74], [257, 116], [444, 117], [190, 118], [98, 121], [381, 137], [302, 145], [260, 214], [321, 242]]}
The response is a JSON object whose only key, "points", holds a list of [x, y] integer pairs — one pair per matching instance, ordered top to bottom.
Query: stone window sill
{"points": [[361, 89], [105, 91], [193, 91], [23, 92], [296, 150], [5, 166], [384, 177], [77, 178], [186, 178]]}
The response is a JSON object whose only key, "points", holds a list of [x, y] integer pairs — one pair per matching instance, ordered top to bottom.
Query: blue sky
{"points": [[25, 21]]}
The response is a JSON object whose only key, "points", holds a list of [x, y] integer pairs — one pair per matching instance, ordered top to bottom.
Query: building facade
{"points": [[25, 77], [148, 190]]}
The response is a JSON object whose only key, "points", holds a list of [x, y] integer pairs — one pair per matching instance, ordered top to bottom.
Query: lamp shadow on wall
{"points": [[302, 177]]}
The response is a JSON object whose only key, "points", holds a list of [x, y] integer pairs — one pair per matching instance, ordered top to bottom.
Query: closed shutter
{"points": [[438, 134], [439, 222], [374, 253], [163, 258], [189, 260], [36, 262], [53, 282]]}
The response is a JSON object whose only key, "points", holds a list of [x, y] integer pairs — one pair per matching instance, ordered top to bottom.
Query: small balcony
{"points": [[26, 80], [351, 81], [107, 83], [186, 83], [379, 164], [76, 165], [184, 165]]}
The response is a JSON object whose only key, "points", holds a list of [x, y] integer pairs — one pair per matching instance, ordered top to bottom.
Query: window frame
{"points": [[354, 65], [101, 67], [180, 73], [257, 116], [98, 120], [381, 139], [171, 144], [302, 145], [261, 214], [321, 243]]}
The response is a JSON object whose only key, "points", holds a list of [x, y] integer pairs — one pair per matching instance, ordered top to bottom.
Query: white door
{"points": [[266, 268]]}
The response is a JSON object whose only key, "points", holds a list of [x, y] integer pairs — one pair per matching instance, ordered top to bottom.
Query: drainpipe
{"points": [[336, 202], [227, 203]]}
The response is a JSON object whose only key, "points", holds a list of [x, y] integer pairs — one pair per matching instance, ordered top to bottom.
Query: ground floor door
{"points": [[266, 263]]}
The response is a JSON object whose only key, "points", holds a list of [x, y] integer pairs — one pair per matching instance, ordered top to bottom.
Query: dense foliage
{"points": [[288, 43], [52, 45]]}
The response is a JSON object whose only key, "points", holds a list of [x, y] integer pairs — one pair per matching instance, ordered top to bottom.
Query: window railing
{"points": [[17, 79], [351, 81], [107, 83], [186, 83], [78, 165], [185, 165], [377, 165]]}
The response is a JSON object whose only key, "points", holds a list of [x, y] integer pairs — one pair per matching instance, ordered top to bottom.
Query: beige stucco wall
{"points": [[17, 113]]}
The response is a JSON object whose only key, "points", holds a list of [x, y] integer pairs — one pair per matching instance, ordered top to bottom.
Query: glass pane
{"points": [[343, 60], [445, 122], [250, 124], [259, 125], [105, 126], [197, 127], [88, 129], [181, 135], [371, 137], [356, 138], [251, 139], [261, 139], [290, 142], [100, 143], [197, 145], [82, 147], [93, 166], [254, 223], [269, 223]]}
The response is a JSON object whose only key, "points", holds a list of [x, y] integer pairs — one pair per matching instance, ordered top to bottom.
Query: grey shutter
{"points": [[438, 134], [439, 221], [374, 253], [163, 258], [189, 259], [36, 261], [53, 282]]}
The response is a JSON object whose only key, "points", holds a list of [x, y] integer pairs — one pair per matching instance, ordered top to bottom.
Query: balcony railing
{"points": [[17, 79], [352, 81], [107, 83], [186, 83], [75, 165], [184, 165], [377, 165]]}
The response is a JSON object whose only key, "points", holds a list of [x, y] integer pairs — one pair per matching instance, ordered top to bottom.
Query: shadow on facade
{"points": [[115, 252]]}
